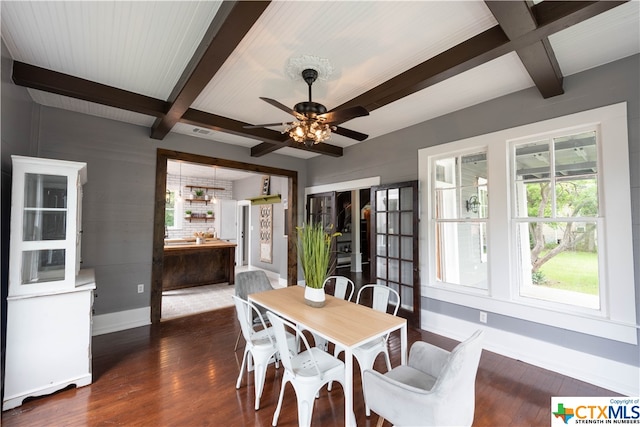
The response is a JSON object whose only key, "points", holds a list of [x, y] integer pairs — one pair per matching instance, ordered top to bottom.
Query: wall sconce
{"points": [[472, 204]]}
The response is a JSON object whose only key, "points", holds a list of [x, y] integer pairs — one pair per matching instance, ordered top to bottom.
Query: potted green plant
{"points": [[199, 193], [187, 214], [209, 214], [314, 250]]}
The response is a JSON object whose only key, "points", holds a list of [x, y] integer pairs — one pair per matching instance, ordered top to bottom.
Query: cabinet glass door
{"points": [[44, 219]]}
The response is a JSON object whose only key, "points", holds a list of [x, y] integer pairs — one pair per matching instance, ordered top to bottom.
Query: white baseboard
{"points": [[121, 320], [605, 373]]}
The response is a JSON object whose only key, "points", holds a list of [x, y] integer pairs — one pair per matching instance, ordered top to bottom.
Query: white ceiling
{"points": [[144, 46]]}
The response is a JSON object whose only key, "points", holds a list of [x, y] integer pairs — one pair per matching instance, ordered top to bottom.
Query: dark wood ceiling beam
{"points": [[551, 17], [516, 19], [231, 23], [63, 84], [74, 87], [226, 125], [274, 140], [326, 149]]}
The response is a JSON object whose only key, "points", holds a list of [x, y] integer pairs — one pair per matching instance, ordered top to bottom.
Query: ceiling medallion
{"points": [[295, 67]]}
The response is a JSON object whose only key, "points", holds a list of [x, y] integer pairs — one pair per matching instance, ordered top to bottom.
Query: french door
{"points": [[321, 208], [394, 244]]}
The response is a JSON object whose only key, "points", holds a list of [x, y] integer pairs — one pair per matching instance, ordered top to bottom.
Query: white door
{"points": [[228, 220]]}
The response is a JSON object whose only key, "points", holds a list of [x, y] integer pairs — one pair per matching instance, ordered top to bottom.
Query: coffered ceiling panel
{"points": [[137, 46]]}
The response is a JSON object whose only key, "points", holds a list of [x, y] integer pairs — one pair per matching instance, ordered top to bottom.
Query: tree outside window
{"points": [[556, 209]]}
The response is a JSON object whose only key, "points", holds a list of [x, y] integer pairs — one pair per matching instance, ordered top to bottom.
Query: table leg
{"points": [[403, 344], [349, 416]]}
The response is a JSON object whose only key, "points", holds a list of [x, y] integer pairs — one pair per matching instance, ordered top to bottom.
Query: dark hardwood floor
{"points": [[183, 372]]}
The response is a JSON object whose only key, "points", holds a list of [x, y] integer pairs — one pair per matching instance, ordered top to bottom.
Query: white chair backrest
{"points": [[343, 288], [381, 297], [246, 312], [279, 324]]}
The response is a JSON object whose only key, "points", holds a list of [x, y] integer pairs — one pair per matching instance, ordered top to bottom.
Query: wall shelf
{"points": [[204, 187], [265, 199], [198, 200], [199, 218]]}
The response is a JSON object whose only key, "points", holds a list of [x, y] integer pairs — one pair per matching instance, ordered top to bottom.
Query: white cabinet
{"points": [[50, 299]]}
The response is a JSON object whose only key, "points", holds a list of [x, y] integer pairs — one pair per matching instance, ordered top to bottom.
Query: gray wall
{"points": [[16, 111], [393, 157], [251, 187]]}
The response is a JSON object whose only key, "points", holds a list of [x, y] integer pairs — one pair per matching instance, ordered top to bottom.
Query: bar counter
{"points": [[187, 263]]}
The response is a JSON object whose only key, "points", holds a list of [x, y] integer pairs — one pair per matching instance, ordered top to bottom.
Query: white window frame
{"points": [[177, 207], [459, 219], [546, 296], [617, 318]]}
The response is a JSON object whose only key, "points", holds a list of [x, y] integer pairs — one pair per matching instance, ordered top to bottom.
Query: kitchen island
{"points": [[187, 263]]}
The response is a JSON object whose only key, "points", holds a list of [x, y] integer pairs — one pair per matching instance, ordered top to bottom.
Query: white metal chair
{"points": [[249, 282], [343, 288], [260, 344], [367, 353], [307, 371], [435, 388]]}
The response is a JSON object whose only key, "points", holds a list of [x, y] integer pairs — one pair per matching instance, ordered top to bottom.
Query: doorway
{"points": [[162, 157]]}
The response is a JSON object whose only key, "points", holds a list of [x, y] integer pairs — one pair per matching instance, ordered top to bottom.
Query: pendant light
{"points": [[180, 189]]}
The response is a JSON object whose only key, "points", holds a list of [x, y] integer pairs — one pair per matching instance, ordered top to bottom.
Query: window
{"points": [[460, 195], [555, 216], [172, 220], [534, 223]]}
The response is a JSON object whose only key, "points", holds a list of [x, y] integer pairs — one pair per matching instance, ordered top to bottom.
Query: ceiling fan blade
{"points": [[282, 107], [344, 115], [266, 125], [350, 133]]}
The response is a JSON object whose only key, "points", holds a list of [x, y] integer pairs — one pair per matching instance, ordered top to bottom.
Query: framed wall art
{"points": [[266, 232]]}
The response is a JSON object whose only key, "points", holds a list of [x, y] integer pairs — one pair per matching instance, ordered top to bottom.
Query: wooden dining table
{"points": [[338, 321]]}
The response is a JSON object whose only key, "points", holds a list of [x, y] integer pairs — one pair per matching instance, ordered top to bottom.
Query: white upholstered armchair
{"points": [[435, 388]]}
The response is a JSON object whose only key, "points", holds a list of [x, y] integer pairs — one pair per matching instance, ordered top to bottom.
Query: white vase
{"points": [[314, 297]]}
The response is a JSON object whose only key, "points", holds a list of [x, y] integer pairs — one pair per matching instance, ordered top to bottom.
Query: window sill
{"points": [[578, 322]]}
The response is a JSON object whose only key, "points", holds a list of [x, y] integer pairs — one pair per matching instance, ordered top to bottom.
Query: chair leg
{"points": [[237, 341], [387, 359], [244, 360], [259, 374], [306, 399], [277, 413], [380, 422]]}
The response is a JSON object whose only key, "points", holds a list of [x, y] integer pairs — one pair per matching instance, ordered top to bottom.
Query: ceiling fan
{"points": [[314, 123]]}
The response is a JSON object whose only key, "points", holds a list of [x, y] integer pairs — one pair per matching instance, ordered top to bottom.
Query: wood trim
{"points": [[515, 19], [229, 26], [63, 84], [274, 139], [323, 148], [162, 156]]}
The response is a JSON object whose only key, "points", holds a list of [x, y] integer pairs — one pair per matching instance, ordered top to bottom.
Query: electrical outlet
{"points": [[140, 288], [483, 317]]}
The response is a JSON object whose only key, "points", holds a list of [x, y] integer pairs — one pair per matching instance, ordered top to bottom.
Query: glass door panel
{"points": [[395, 236]]}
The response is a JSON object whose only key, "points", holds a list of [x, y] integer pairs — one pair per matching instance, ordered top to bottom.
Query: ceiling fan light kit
{"points": [[313, 123]]}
